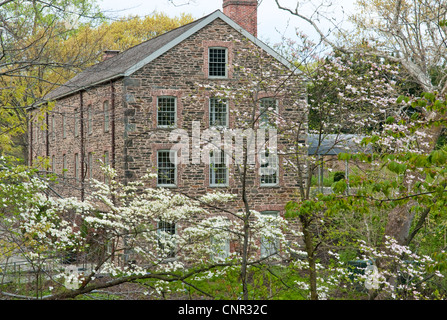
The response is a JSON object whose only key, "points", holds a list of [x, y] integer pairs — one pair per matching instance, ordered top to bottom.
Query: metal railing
{"points": [[21, 271]]}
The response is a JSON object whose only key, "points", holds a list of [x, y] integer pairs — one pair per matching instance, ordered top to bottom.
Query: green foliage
{"points": [[30, 30], [46, 43], [402, 170], [339, 175], [328, 179], [265, 283]]}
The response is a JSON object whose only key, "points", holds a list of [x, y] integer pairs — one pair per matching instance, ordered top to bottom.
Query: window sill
{"points": [[218, 78], [219, 128], [219, 185], [167, 186], [269, 186]]}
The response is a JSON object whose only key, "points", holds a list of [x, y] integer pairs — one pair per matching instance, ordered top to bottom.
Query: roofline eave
{"points": [[207, 20], [201, 25], [82, 88]]}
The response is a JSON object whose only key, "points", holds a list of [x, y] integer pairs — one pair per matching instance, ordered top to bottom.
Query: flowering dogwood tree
{"points": [[409, 33], [349, 97], [255, 143], [405, 155], [117, 232], [408, 280]]}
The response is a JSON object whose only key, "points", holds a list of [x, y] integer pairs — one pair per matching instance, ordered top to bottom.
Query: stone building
{"points": [[124, 110]]}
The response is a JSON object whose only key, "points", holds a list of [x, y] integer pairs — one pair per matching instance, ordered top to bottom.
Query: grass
{"points": [[328, 179]]}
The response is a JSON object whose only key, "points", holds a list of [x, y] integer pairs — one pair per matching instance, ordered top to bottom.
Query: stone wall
{"points": [[179, 73], [79, 130], [133, 137]]}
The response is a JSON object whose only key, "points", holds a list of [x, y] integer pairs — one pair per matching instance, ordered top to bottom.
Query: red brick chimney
{"points": [[244, 13]]}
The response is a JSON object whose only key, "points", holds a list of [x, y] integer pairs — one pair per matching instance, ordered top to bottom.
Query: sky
{"points": [[273, 23]]}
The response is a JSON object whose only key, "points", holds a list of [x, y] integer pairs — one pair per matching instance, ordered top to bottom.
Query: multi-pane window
{"points": [[217, 62], [166, 111], [268, 111], [218, 112], [106, 116], [90, 120], [76, 122], [64, 125], [53, 127], [36, 133], [106, 158], [106, 163], [64, 165], [90, 165], [76, 168], [166, 168], [218, 168], [268, 170], [166, 238], [269, 245], [220, 248]]}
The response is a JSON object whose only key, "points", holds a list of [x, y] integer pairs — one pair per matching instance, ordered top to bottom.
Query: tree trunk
{"points": [[400, 218], [399, 222], [307, 234], [244, 264]]}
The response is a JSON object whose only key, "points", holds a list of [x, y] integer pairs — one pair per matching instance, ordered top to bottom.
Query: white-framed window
{"points": [[217, 62], [268, 111], [166, 112], [218, 112], [106, 116], [90, 119], [76, 122], [64, 125], [53, 127], [36, 134], [106, 158], [106, 163], [64, 165], [90, 165], [76, 166], [166, 168], [218, 168], [268, 169], [166, 232], [269, 245], [220, 249]]}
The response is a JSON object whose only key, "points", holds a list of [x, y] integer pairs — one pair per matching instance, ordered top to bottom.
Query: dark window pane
{"points": [[217, 62], [166, 111], [218, 112], [218, 168], [166, 169]]}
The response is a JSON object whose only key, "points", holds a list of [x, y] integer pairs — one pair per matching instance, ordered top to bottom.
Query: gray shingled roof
{"points": [[136, 57], [119, 64]]}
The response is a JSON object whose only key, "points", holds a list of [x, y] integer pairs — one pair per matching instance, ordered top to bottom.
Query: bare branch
{"points": [[5, 2]]}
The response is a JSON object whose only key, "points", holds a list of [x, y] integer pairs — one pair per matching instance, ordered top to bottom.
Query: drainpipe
{"points": [[112, 102], [112, 123], [47, 135], [30, 156], [82, 163]]}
